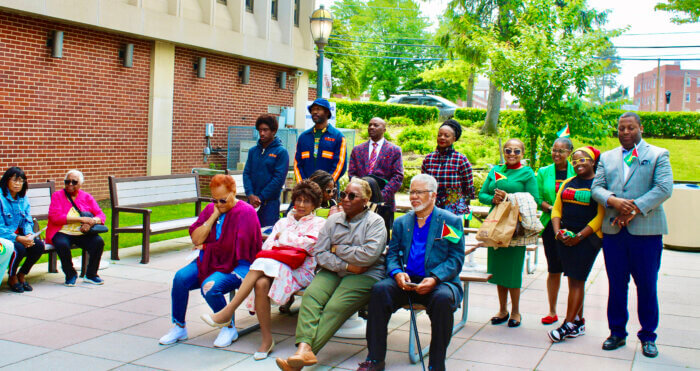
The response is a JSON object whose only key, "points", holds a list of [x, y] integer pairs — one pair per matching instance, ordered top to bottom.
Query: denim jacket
{"points": [[15, 215]]}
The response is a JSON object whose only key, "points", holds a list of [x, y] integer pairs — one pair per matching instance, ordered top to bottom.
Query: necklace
{"points": [[423, 218]]}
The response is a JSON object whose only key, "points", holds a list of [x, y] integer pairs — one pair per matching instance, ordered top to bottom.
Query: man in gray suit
{"points": [[632, 181]]}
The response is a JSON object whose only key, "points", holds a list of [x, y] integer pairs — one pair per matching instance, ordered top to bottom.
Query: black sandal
{"points": [[26, 286], [17, 287], [499, 320], [514, 323]]}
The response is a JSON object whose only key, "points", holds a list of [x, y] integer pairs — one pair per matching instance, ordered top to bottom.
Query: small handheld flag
{"points": [[564, 132], [633, 155], [498, 176], [468, 217], [450, 234]]}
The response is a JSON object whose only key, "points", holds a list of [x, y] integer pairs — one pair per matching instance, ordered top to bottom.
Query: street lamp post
{"points": [[321, 25]]}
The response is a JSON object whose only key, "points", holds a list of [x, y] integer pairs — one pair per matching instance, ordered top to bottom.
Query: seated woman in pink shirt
{"points": [[66, 228], [273, 279]]}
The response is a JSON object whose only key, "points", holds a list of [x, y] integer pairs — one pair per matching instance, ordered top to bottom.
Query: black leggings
{"points": [[92, 243], [32, 254]]}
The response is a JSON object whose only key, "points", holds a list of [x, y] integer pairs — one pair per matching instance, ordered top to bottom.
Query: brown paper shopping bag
{"points": [[499, 226]]}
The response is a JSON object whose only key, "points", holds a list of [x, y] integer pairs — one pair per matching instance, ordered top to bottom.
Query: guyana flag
{"points": [[564, 132], [631, 156], [498, 176], [468, 217], [451, 234]]}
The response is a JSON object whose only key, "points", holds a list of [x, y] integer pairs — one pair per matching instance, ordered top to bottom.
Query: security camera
{"points": [[298, 73]]}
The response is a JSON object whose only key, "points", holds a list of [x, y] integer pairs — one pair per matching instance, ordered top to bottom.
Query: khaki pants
{"points": [[327, 303]]}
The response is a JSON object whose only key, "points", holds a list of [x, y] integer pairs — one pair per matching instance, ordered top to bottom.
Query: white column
{"points": [[301, 98], [160, 109]]}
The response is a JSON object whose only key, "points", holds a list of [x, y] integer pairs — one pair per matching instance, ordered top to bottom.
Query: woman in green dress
{"points": [[506, 264]]}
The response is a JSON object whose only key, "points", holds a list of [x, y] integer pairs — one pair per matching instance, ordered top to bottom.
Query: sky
{"points": [[639, 17]]}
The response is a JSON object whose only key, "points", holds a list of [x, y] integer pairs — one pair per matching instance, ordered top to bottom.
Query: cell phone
{"points": [[410, 284]]}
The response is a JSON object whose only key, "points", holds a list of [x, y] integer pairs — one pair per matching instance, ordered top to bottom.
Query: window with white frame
{"points": [[687, 81], [687, 97]]}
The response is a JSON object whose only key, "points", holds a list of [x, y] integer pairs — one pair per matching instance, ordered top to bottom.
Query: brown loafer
{"points": [[302, 359], [284, 366]]}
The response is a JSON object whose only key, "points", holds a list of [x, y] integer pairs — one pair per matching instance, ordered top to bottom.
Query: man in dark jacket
{"points": [[321, 147], [265, 171], [425, 257]]}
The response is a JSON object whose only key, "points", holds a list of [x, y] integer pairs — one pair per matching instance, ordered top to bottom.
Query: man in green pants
{"points": [[349, 252]]}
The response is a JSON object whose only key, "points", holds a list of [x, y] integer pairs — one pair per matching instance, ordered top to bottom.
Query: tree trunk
{"points": [[470, 90], [493, 109]]}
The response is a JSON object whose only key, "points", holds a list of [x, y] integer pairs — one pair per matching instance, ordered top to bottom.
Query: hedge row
{"points": [[364, 111], [656, 124]]}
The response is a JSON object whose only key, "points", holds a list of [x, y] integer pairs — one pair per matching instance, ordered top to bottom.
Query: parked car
{"points": [[447, 108]]}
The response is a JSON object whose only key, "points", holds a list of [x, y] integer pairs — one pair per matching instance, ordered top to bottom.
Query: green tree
{"points": [[684, 11], [466, 25], [385, 28], [346, 66], [547, 67], [453, 79], [606, 80]]}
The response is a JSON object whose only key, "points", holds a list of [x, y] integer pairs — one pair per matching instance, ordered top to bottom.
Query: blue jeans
{"points": [[269, 213], [186, 280]]}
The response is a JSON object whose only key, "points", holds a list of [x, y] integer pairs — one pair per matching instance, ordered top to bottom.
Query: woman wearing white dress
{"points": [[272, 279]]}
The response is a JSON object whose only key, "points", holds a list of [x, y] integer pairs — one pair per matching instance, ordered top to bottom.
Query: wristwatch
{"points": [[633, 212]]}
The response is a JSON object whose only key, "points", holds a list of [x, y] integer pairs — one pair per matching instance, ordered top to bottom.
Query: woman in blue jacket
{"points": [[17, 226]]}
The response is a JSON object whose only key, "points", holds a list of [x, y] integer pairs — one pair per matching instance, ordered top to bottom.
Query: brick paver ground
{"points": [[117, 326]]}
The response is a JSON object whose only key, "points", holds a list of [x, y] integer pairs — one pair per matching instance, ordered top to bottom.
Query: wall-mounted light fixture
{"points": [[55, 42], [127, 55], [201, 67], [244, 74], [282, 80]]}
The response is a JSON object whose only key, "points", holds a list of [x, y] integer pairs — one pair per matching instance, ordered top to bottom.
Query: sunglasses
{"points": [[511, 151], [581, 161], [69, 181], [330, 191], [351, 196], [221, 200]]}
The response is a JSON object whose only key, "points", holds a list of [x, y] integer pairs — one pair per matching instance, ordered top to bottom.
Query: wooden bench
{"points": [[136, 194], [39, 197]]}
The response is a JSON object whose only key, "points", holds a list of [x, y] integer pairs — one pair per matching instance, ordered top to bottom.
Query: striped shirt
{"points": [[453, 173]]}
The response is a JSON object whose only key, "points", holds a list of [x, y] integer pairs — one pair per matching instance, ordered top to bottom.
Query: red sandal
{"points": [[549, 320]]}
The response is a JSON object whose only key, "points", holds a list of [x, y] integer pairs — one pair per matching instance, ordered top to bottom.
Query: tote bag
{"points": [[498, 227]]}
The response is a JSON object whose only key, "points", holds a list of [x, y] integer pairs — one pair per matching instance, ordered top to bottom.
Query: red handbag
{"points": [[292, 256]]}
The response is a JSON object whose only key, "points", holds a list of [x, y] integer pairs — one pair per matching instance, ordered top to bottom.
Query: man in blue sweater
{"points": [[321, 147], [265, 171]]}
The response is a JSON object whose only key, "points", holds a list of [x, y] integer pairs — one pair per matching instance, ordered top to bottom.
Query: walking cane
{"points": [[413, 315]]}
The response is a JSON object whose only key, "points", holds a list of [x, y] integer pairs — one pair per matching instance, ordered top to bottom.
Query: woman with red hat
{"points": [[576, 221]]}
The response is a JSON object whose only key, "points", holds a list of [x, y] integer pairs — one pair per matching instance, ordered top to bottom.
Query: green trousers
{"points": [[327, 303]]}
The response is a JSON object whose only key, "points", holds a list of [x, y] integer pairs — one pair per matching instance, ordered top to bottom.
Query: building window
{"points": [[221, 1], [249, 4], [274, 4], [296, 18], [687, 81], [697, 82], [687, 97], [698, 98]]}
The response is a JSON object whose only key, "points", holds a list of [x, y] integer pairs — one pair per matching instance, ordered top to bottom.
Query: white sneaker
{"points": [[175, 334], [227, 335]]}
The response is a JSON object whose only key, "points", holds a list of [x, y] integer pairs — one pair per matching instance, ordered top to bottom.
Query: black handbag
{"points": [[95, 229]]}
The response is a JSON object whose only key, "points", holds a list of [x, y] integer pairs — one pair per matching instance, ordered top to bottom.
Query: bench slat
{"points": [[154, 183], [175, 188], [149, 199], [165, 225], [474, 276]]}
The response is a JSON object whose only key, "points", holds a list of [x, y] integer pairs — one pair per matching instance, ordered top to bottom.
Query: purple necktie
{"points": [[373, 157]]}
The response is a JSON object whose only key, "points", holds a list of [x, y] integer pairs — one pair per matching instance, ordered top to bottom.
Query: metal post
{"points": [[319, 72], [658, 80]]}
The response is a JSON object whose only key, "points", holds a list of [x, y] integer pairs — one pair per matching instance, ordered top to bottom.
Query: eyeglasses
{"points": [[510, 151], [560, 151], [581, 161], [17, 180], [70, 181], [330, 191], [418, 193], [350, 195], [221, 200]]}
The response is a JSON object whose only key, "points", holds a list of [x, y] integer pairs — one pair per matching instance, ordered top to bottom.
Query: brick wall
{"points": [[221, 99], [83, 111]]}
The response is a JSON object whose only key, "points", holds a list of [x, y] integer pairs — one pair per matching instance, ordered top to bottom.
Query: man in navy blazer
{"points": [[633, 181], [419, 254]]}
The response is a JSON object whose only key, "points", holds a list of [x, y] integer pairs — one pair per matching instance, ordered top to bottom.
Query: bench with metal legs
{"points": [[465, 277], [245, 330]]}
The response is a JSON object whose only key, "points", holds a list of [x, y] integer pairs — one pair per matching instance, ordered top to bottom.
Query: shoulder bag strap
{"points": [[71, 201]]}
